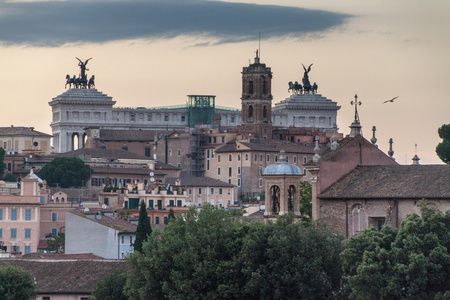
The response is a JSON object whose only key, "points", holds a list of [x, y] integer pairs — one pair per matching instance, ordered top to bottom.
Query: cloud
{"points": [[55, 23]]}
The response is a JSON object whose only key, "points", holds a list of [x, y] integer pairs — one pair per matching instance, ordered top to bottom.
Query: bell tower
{"points": [[257, 99]]}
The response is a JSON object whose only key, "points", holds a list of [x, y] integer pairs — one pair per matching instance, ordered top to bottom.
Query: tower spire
{"points": [[356, 125]]}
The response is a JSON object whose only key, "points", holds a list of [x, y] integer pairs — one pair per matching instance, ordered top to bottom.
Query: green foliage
{"points": [[443, 149], [2, 164], [66, 172], [10, 178], [305, 191], [171, 214], [143, 229], [57, 243], [212, 254], [411, 263], [16, 284], [111, 287]]}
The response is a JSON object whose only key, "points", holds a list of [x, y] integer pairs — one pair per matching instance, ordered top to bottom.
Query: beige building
{"points": [[18, 140], [242, 163]]}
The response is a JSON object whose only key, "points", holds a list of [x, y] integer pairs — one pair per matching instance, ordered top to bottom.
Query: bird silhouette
{"points": [[392, 100]]}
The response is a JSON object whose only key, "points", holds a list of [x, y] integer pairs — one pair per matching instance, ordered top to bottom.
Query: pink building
{"points": [[20, 216]]}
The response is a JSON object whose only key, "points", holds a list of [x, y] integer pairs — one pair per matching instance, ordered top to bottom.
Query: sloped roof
{"points": [[22, 131], [267, 147], [102, 153], [200, 181], [395, 181], [116, 224], [60, 256], [67, 276]]}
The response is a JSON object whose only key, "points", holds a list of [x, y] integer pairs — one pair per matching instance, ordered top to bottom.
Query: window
{"points": [[132, 117], [149, 117], [166, 118], [183, 118], [232, 119], [170, 152], [179, 152], [239, 157], [246, 157], [260, 157], [267, 157], [218, 158], [230, 158], [256, 158], [276, 158], [287, 158], [295, 159], [304, 159], [207, 165], [239, 170], [260, 170], [218, 171], [230, 171], [304, 172], [239, 182], [260, 182], [199, 191], [212, 191], [220, 191], [106, 201], [172, 203], [179, 203], [150, 204], [1, 214], [14, 214], [54, 217], [156, 220], [165, 220], [54, 231], [1, 233], [13, 233], [28, 233], [123, 239], [131, 240], [27, 249]]}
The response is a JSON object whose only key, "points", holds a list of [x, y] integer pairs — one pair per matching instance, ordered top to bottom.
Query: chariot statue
{"points": [[80, 82]]}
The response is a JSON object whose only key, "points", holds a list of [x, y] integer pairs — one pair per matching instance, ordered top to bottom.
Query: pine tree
{"points": [[171, 214], [143, 229]]}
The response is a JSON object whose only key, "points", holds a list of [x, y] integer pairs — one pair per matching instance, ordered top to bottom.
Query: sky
{"points": [[150, 53]]}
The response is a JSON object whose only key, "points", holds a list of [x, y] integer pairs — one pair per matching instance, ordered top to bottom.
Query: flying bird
{"points": [[392, 100]]}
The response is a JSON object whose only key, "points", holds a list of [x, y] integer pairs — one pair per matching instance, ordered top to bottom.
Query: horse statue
{"points": [[70, 81], [91, 83], [295, 87], [314, 88]]}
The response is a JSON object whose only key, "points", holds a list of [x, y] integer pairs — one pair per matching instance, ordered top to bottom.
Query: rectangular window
{"points": [[149, 117], [166, 118], [183, 118], [230, 157], [239, 157], [246, 157], [260, 157], [268, 157], [218, 158], [256, 158], [295, 159], [304, 159], [239, 170], [260, 170], [218, 171], [230, 171], [239, 182], [260, 182], [199, 191], [212, 191], [220, 191], [42, 199], [150, 203], [159, 203], [171, 203], [179, 203], [1, 214], [14, 214], [28, 214], [54, 217], [156, 220], [165, 220], [54, 231], [1, 233], [13, 233], [28, 233], [123, 239], [131, 240], [27, 249]]}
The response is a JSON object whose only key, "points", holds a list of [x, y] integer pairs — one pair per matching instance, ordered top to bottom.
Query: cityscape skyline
{"points": [[376, 50]]}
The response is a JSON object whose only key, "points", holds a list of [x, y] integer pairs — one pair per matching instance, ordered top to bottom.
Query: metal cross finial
{"points": [[356, 103]]}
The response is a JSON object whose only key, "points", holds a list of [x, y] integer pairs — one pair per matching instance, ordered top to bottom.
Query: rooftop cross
{"points": [[356, 103]]}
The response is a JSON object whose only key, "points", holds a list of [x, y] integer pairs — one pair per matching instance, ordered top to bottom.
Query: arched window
{"points": [[250, 87], [265, 87], [250, 111], [265, 113], [275, 198], [291, 198]]}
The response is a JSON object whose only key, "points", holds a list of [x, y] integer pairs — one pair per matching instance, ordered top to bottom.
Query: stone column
{"points": [[315, 201]]}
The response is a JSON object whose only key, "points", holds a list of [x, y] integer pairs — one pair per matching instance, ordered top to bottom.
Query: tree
{"points": [[443, 149], [2, 164], [66, 172], [10, 178], [306, 201], [171, 214], [143, 229], [57, 243], [212, 254], [411, 263], [16, 284], [111, 287]]}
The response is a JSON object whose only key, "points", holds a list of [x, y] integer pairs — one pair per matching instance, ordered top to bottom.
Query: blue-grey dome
{"points": [[282, 167]]}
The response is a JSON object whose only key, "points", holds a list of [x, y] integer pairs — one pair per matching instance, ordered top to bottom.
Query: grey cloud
{"points": [[57, 23]]}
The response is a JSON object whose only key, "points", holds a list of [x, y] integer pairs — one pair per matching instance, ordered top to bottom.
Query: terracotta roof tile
{"points": [[395, 181], [67, 276]]}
